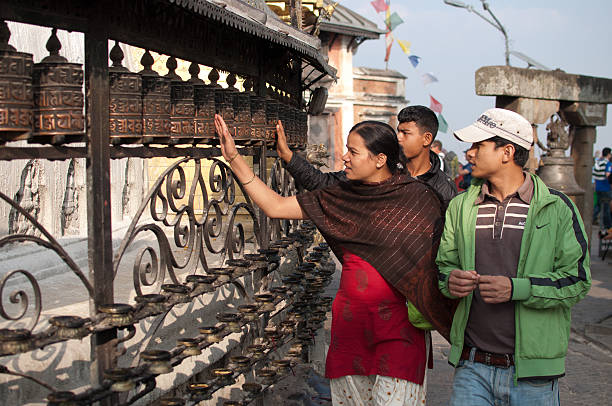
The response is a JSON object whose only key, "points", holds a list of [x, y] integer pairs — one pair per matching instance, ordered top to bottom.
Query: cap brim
{"points": [[472, 134]]}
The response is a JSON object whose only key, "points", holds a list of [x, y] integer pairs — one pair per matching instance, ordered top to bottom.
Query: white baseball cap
{"points": [[499, 123]]}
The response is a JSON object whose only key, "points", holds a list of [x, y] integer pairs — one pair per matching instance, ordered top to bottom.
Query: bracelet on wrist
{"points": [[229, 161], [249, 181]]}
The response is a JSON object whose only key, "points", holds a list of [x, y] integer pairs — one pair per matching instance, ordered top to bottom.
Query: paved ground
{"points": [[588, 380]]}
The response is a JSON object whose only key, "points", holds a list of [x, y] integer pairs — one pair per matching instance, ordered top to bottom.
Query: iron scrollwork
{"points": [[199, 213]]}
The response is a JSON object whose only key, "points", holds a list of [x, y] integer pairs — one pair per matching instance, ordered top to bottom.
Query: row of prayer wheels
{"points": [[43, 103]]}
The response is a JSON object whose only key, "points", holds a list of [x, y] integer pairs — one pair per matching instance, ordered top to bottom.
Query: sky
{"points": [[453, 43]]}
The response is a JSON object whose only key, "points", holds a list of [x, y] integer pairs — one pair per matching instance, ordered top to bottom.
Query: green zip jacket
{"points": [[553, 274]]}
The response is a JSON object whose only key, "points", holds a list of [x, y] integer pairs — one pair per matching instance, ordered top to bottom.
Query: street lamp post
{"points": [[495, 22]]}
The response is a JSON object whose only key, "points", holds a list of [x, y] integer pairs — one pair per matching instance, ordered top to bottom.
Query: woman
{"points": [[384, 227]]}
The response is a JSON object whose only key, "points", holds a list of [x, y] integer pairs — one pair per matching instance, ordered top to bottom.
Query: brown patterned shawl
{"points": [[395, 225]]}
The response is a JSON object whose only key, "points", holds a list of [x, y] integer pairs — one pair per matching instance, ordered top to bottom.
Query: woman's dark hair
{"points": [[423, 117], [380, 138], [521, 155]]}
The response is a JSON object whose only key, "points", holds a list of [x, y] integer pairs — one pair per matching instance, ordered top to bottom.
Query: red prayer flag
{"points": [[379, 5], [389, 41], [435, 105]]}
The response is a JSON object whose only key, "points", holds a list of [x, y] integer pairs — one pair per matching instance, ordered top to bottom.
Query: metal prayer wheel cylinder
{"points": [[16, 97], [58, 97], [125, 100], [156, 103], [224, 106], [182, 112], [242, 114], [258, 117], [271, 118], [204, 121], [302, 128], [258, 261], [241, 266], [223, 274], [201, 283], [280, 292], [179, 293], [266, 302], [152, 303], [249, 312], [117, 314], [232, 321], [69, 326], [287, 327], [212, 334], [15, 341], [191, 346], [256, 351], [158, 360], [239, 363], [281, 366], [224, 376], [267, 376], [120, 378], [251, 388], [200, 391], [63, 398], [171, 401], [232, 403]]}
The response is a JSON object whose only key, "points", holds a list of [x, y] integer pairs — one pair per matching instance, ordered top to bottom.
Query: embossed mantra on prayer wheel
{"points": [[58, 97], [16, 100], [155, 104]]}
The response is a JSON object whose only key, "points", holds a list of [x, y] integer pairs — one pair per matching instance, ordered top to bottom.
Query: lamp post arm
{"points": [[500, 27]]}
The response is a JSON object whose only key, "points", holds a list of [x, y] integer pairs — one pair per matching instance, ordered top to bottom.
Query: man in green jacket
{"points": [[516, 254]]}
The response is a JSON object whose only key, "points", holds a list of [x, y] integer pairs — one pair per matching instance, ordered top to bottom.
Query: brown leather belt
{"points": [[489, 358]]}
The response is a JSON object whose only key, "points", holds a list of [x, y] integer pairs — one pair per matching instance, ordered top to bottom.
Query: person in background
{"points": [[417, 129], [436, 147], [466, 173], [601, 175], [383, 225], [516, 254]]}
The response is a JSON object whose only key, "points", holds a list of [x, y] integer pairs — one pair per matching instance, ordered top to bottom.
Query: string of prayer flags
{"points": [[379, 5], [393, 21], [389, 42], [405, 45], [414, 60], [428, 78], [435, 105], [442, 124]]}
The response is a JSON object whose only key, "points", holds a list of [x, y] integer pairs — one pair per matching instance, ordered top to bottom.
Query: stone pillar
{"points": [[583, 117], [582, 153]]}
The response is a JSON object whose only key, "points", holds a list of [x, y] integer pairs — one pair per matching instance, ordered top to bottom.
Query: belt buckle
{"points": [[487, 358], [507, 360]]}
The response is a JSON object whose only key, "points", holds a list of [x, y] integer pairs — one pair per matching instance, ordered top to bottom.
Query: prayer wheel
{"points": [[58, 97], [16, 100], [125, 101], [204, 102], [156, 104], [182, 107]]}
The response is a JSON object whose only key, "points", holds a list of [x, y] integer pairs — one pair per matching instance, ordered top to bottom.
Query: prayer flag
{"points": [[379, 5], [393, 21], [389, 42], [405, 45], [414, 60], [428, 78], [435, 105], [442, 124]]}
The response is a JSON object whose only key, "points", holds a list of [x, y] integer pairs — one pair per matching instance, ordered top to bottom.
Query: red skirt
{"points": [[370, 333]]}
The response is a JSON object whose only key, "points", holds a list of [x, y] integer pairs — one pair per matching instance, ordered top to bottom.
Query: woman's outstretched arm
{"points": [[273, 204]]}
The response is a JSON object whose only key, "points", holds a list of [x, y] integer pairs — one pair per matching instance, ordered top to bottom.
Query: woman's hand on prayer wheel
{"points": [[228, 147], [282, 148]]}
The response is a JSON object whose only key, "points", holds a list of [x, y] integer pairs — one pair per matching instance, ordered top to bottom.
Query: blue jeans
{"points": [[603, 199], [477, 384]]}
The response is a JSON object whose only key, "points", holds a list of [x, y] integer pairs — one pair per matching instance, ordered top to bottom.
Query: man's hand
{"points": [[283, 150], [462, 283], [495, 289]]}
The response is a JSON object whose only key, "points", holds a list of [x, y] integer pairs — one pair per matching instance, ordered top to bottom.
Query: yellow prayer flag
{"points": [[405, 45]]}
